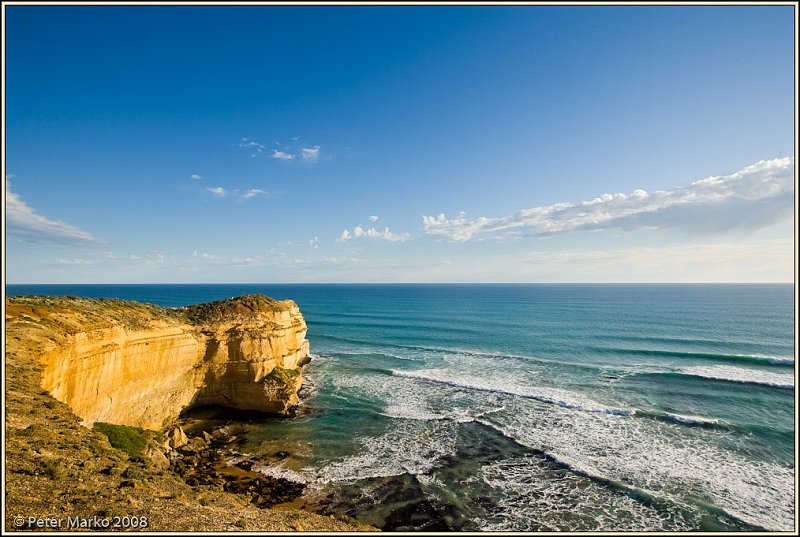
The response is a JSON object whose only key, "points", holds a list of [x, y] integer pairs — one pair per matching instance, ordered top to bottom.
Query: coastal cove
{"points": [[536, 261], [95, 394], [524, 407]]}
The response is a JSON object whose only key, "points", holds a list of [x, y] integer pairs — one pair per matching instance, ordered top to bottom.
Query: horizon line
{"points": [[419, 283]]}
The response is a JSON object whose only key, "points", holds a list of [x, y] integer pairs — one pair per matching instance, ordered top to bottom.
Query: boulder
{"points": [[178, 438], [156, 458]]}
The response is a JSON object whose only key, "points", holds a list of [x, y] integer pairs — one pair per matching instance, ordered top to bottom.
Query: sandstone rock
{"points": [[142, 365], [207, 437], [178, 438], [156, 458]]}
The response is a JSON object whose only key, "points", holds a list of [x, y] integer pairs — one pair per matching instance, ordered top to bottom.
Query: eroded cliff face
{"points": [[140, 365]]}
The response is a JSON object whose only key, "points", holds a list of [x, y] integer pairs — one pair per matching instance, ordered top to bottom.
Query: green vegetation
{"points": [[232, 308], [283, 377], [131, 440], [53, 468]]}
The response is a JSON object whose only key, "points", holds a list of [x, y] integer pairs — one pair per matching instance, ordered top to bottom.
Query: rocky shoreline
{"points": [[202, 460], [64, 474]]}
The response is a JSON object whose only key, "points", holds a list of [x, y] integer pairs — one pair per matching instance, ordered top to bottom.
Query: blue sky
{"points": [[399, 144]]}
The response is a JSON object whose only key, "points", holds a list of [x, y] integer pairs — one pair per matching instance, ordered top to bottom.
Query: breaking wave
{"points": [[554, 396]]}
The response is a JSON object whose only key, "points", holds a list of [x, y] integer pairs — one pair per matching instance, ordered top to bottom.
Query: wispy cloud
{"points": [[252, 146], [295, 150], [310, 154], [281, 155], [196, 177], [218, 191], [253, 192], [237, 194], [752, 198], [374, 218], [24, 222], [372, 233], [314, 243], [204, 255], [109, 259], [148, 259], [760, 260], [76, 261], [333, 261]]}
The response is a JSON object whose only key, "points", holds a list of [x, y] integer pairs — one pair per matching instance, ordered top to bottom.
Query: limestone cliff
{"points": [[136, 364]]}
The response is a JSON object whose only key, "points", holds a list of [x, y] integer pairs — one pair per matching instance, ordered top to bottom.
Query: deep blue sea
{"points": [[534, 407]]}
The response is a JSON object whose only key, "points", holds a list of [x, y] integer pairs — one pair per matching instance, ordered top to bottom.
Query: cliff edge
{"points": [[71, 362], [140, 365]]}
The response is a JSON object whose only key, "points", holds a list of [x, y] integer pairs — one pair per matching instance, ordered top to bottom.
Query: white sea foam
{"points": [[403, 356], [769, 358], [740, 374], [554, 396], [407, 398], [411, 411], [691, 420], [410, 447], [657, 458], [279, 471], [532, 498]]}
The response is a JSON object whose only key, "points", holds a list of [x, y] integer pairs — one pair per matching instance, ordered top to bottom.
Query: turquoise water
{"points": [[534, 407]]}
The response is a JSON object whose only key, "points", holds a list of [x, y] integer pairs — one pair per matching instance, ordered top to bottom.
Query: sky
{"points": [[283, 144]]}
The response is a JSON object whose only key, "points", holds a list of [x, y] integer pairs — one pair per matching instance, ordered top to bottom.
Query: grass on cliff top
{"points": [[231, 308], [71, 313], [135, 315], [131, 440]]}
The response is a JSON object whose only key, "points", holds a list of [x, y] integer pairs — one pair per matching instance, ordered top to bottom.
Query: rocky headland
{"points": [[94, 389]]}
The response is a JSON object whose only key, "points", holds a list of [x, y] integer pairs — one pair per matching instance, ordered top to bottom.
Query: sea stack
{"points": [[138, 364]]}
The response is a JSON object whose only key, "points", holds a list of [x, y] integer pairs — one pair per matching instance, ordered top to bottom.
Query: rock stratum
{"points": [[71, 362], [146, 364]]}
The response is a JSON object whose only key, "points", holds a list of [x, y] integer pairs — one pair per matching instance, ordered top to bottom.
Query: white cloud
{"points": [[251, 145], [291, 151], [310, 154], [281, 155], [196, 177], [218, 191], [253, 192], [236, 194], [752, 198], [374, 218], [23, 221], [372, 233], [314, 243], [203, 255], [146, 259], [76, 261], [325, 262]]}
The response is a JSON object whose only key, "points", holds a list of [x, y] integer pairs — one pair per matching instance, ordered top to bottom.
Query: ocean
{"points": [[532, 407]]}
